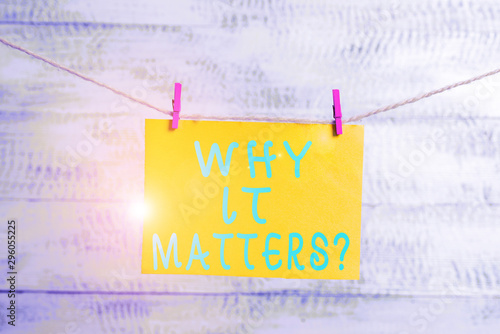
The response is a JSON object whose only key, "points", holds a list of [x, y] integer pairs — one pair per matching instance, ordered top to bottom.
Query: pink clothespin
{"points": [[176, 104], [337, 112]]}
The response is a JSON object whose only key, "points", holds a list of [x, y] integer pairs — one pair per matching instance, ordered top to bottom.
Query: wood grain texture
{"points": [[431, 194]]}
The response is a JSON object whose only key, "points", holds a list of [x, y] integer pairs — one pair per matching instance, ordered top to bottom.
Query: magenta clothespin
{"points": [[176, 104], [337, 112]]}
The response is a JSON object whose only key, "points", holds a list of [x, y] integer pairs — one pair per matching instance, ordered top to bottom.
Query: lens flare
{"points": [[139, 210]]}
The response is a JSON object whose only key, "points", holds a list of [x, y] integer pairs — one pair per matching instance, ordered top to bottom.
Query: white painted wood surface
{"points": [[430, 229]]}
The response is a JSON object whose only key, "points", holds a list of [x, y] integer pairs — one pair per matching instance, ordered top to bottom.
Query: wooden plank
{"points": [[252, 314]]}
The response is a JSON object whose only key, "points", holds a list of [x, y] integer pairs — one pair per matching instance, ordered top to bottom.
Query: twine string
{"points": [[422, 96], [249, 118]]}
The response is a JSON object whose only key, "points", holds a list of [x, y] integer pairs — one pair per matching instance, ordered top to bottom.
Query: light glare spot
{"points": [[139, 210]]}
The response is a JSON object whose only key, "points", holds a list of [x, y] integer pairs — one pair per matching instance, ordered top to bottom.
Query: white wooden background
{"points": [[430, 251]]}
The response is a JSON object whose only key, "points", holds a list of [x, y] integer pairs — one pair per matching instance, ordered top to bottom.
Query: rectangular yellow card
{"points": [[252, 199]]}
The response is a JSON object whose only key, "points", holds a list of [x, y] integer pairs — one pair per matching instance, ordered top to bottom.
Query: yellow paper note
{"points": [[252, 199]]}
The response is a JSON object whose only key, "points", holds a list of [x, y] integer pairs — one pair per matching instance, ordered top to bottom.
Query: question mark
{"points": [[344, 249]]}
